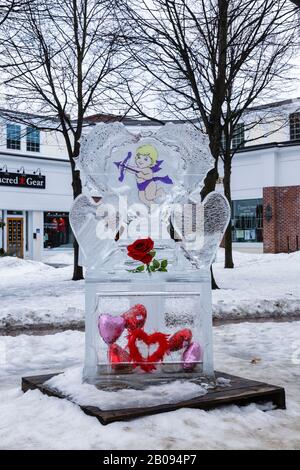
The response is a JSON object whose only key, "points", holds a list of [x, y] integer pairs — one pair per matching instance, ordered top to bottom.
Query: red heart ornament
{"points": [[135, 317], [180, 339], [117, 354], [119, 358], [146, 363]]}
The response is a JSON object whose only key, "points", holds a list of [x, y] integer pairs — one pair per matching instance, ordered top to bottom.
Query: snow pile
{"points": [[58, 256], [13, 268], [260, 285], [34, 293], [29, 354], [70, 384], [35, 421]]}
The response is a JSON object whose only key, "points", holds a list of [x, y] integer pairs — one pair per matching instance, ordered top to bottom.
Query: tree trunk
{"points": [[209, 183], [77, 189], [228, 234], [228, 247], [77, 270], [214, 285]]}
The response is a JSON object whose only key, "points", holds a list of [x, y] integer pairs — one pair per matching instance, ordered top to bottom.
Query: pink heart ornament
{"points": [[110, 327], [191, 356]]}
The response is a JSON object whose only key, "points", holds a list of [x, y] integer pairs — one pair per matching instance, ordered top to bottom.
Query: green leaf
{"points": [[164, 263], [156, 264], [140, 268], [152, 268], [163, 270]]}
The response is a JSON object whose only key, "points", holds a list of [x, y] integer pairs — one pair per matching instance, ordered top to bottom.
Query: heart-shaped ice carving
{"points": [[183, 156], [87, 220], [201, 236]]}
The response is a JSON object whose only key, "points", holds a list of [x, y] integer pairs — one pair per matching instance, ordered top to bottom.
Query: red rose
{"points": [[140, 250]]}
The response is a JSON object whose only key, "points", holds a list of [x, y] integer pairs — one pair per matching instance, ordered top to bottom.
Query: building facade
{"points": [[266, 179], [36, 192]]}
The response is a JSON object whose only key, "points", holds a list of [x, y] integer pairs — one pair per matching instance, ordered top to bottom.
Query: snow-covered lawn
{"points": [[58, 255], [261, 285], [35, 293], [34, 421]]}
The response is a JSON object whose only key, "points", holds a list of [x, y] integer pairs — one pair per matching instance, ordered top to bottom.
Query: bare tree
{"points": [[7, 7], [8, 10], [62, 58], [210, 59], [256, 69]]}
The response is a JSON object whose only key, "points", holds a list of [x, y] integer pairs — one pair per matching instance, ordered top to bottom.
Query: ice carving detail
{"points": [[156, 171]]}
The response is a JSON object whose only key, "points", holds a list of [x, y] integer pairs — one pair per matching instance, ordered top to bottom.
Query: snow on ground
{"points": [[58, 256], [261, 285], [35, 293], [34, 421]]}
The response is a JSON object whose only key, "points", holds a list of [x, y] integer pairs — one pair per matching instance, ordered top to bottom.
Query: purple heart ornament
{"points": [[110, 327], [191, 356]]}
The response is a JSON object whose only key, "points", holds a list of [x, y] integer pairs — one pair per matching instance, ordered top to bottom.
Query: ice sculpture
{"points": [[147, 321]]}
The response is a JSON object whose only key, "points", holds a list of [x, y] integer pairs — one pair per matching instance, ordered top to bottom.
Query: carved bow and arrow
{"points": [[122, 166]]}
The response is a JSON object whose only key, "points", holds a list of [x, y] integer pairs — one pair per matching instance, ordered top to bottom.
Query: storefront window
{"points": [[247, 220], [56, 229]]}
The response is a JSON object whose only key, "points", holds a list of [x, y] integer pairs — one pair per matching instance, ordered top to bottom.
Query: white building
{"points": [[266, 178], [34, 188], [36, 193]]}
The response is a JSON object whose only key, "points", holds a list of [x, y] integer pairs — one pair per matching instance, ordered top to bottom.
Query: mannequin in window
{"points": [[61, 228]]}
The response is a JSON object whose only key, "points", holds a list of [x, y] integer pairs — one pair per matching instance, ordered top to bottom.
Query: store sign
{"points": [[22, 181]]}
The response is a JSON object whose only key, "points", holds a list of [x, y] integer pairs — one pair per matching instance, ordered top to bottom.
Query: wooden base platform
{"points": [[240, 392]]}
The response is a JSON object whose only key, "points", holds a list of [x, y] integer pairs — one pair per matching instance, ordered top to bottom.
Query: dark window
{"points": [[295, 126], [13, 136], [238, 138], [32, 139], [247, 220], [57, 230]]}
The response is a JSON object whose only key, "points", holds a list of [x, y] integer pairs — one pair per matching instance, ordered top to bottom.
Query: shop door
{"points": [[15, 237]]}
